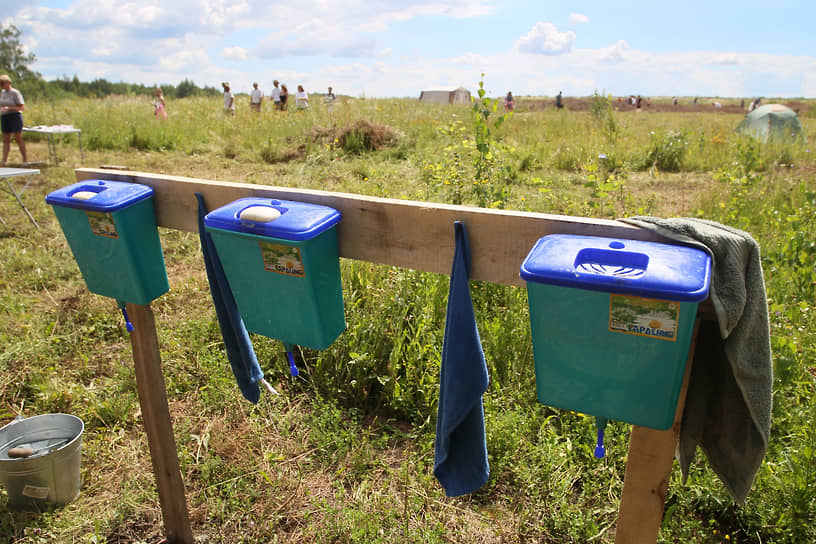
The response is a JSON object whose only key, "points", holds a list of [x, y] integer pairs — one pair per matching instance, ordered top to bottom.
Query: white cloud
{"points": [[578, 18], [545, 39], [275, 46], [234, 53], [614, 53], [725, 58], [472, 59], [184, 61], [809, 82]]}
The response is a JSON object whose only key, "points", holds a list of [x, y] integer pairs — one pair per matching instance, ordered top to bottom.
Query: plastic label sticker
{"points": [[102, 224], [282, 259], [644, 316], [35, 492]]}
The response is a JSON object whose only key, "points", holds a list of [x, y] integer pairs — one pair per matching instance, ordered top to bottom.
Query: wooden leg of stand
{"points": [[159, 428], [648, 469]]}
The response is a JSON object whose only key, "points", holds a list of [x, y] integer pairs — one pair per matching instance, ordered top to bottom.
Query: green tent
{"points": [[772, 121]]}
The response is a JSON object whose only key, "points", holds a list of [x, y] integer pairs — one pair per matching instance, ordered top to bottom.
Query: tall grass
{"points": [[345, 454]]}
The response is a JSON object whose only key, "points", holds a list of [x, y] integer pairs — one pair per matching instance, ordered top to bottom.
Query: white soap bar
{"points": [[84, 195], [259, 214]]}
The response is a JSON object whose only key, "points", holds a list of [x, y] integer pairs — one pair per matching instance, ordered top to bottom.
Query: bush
{"points": [[666, 151]]}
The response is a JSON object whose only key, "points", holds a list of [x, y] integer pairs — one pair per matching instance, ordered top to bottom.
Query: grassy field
{"points": [[345, 453]]}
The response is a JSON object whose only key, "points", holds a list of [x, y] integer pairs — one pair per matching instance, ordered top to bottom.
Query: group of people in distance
{"points": [[279, 97], [510, 102]]}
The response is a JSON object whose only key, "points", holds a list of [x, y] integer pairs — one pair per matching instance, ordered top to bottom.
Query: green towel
{"points": [[728, 407]]}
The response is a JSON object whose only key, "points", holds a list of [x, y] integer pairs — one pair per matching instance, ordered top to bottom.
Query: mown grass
{"points": [[345, 453]]}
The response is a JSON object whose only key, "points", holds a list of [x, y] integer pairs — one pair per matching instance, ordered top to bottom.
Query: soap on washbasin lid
{"points": [[84, 195], [259, 214]]}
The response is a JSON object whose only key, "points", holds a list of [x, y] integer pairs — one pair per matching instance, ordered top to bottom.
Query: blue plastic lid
{"points": [[98, 195], [284, 219], [630, 267]]}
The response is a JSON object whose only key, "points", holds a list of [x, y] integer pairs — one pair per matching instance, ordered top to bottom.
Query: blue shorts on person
{"points": [[12, 122]]}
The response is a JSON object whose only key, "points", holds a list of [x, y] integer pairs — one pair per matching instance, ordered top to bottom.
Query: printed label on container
{"points": [[102, 224], [282, 259], [644, 316], [35, 492]]}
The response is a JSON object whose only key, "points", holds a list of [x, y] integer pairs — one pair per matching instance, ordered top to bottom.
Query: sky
{"points": [[385, 48]]}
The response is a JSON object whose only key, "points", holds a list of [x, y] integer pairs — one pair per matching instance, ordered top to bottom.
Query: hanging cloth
{"points": [[240, 353], [460, 462]]}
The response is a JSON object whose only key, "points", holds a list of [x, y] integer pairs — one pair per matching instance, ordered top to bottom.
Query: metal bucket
{"points": [[50, 471]]}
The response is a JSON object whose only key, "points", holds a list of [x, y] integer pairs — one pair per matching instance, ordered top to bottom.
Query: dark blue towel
{"points": [[240, 353], [460, 462]]}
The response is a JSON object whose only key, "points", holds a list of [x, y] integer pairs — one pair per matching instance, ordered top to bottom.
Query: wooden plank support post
{"points": [[408, 234], [158, 426], [648, 469]]}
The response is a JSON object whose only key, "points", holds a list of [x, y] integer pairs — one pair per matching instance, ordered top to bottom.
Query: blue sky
{"points": [[399, 47]]}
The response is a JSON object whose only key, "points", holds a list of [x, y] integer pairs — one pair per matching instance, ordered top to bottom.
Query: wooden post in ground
{"points": [[159, 428], [648, 469]]}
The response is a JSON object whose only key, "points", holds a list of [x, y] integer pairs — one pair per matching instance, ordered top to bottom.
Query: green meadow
{"points": [[345, 453]]}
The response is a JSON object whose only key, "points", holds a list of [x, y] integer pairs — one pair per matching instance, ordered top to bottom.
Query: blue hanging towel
{"points": [[240, 353], [460, 462]]}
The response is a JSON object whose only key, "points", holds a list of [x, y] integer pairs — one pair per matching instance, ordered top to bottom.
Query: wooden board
{"points": [[404, 233]]}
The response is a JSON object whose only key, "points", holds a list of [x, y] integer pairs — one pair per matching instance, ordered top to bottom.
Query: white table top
{"points": [[53, 129], [11, 172]]}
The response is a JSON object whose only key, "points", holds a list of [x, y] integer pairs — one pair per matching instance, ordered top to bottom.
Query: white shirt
{"points": [[276, 94], [256, 96], [11, 98], [302, 99], [229, 101]]}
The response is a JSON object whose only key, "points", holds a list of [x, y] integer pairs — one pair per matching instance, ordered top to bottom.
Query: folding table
{"points": [[49, 131], [6, 173]]}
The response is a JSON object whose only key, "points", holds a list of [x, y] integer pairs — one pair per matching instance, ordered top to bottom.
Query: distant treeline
{"points": [[35, 87]]}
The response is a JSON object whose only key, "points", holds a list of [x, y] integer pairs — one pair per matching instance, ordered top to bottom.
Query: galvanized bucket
{"points": [[40, 460]]}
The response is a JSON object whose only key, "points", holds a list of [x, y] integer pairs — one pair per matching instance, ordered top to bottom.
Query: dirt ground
{"points": [[685, 105]]}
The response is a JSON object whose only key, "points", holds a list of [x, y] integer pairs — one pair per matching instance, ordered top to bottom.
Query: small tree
{"points": [[14, 60]]}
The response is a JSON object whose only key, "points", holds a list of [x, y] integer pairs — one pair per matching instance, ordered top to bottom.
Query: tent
{"points": [[460, 95], [772, 121]]}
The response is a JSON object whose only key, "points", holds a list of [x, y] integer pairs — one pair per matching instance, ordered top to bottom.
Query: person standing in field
{"points": [[276, 95], [284, 96], [255, 98], [301, 98], [330, 98], [229, 99], [559, 101], [509, 103], [158, 105], [11, 115]]}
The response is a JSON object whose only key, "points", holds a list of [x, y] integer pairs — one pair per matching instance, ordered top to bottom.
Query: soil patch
{"points": [[704, 105]]}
